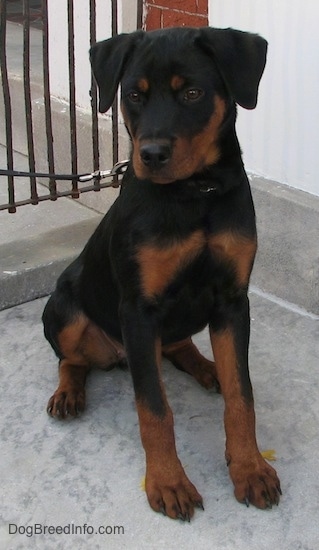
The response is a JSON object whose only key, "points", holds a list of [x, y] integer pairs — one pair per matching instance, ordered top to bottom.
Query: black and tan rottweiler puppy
{"points": [[173, 254]]}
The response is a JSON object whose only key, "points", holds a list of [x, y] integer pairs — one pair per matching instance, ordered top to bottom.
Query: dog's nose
{"points": [[155, 155]]}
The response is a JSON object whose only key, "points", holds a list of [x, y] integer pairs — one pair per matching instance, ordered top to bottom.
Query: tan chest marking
{"points": [[238, 250], [159, 266]]}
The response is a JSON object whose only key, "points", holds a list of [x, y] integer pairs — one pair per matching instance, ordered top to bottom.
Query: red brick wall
{"points": [[159, 14]]}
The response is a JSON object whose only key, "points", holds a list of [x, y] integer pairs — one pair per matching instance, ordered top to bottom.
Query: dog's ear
{"points": [[241, 58], [108, 60]]}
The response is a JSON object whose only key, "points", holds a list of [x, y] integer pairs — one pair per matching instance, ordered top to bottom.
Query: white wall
{"points": [[58, 42], [280, 139]]}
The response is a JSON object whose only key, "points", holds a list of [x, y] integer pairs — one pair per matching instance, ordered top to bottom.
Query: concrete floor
{"points": [[88, 471]]}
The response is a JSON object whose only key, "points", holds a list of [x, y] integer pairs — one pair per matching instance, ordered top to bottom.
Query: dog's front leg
{"points": [[254, 480], [167, 486]]}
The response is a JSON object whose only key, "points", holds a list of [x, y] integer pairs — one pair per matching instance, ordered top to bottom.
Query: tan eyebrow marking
{"points": [[177, 82], [143, 85]]}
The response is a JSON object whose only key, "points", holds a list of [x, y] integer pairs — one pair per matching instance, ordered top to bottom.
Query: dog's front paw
{"points": [[66, 403], [255, 482], [172, 495]]}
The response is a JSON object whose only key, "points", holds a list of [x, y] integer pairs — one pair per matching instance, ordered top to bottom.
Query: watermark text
{"points": [[36, 529]]}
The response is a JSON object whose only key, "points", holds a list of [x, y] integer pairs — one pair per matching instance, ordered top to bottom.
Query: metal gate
{"points": [[28, 8]]}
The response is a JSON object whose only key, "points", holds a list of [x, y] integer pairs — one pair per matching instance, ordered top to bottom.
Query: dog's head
{"points": [[177, 87]]}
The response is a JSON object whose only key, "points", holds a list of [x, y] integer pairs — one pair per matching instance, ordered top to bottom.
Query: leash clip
{"points": [[118, 169]]}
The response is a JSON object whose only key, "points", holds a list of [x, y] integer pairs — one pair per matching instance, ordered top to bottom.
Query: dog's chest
{"points": [[197, 255]]}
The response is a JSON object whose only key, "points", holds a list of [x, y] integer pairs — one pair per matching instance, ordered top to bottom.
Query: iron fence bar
{"points": [[139, 15], [93, 94], [27, 98], [47, 99], [72, 99], [7, 105], [115, 113]]}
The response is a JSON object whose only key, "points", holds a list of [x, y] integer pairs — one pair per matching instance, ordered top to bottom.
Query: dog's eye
{"points": [[193, 94], [134, 96]]}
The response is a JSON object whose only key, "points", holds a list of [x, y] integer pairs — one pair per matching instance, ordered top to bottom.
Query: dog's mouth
{"points": [[172, 172], [164, 176], [161, 177]]}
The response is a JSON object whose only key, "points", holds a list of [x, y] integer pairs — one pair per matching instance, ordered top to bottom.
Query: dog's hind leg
{"points": [[80, 346], [185, 356]]}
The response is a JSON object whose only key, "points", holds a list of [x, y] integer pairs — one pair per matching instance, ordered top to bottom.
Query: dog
{"points": [[173, 254]]}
